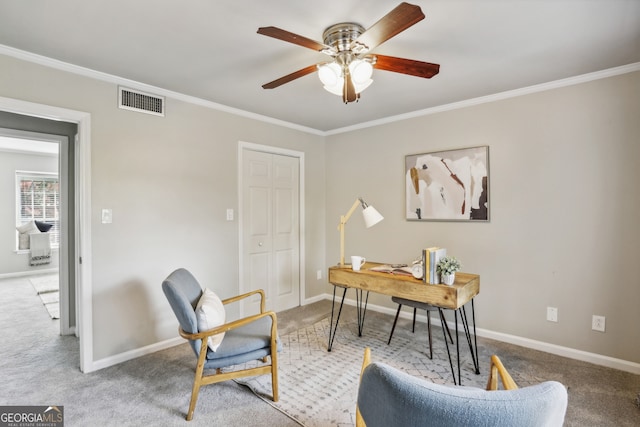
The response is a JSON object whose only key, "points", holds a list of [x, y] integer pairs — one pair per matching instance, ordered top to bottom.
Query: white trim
{"points": [[87, 72], [98, 75], [495, 97], [31, 143], [242, 145], [28, 273], [84, 313], [138, 352], [572, 353]]}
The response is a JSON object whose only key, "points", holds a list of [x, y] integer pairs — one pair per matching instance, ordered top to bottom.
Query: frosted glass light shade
{"points": [[361, 71], [329, 74]]}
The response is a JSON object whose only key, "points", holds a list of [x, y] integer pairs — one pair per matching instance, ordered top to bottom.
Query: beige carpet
{"points": [[47, 288], [319, 388]]}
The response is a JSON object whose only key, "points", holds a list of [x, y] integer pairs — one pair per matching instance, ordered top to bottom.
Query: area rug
{"points": [[48, 290], [319, 388]]}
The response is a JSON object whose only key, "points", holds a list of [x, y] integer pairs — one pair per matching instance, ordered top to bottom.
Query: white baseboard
{"points": [[28, 273], [311, 300], [572, 353], [132, 354], [596, 359]]}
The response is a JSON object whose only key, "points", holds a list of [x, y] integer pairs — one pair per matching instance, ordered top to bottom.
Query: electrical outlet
{"points": [[319, 274], [552, 314], [597, 323]]}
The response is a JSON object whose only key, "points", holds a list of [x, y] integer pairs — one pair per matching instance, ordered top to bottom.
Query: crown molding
{"points": [[87, 72], [109, 78], [570, 81]]}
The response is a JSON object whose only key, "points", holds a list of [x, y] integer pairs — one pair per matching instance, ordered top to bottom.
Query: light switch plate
{"points": [[107, 216]]}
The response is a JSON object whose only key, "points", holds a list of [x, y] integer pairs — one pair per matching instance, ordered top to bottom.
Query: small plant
{"points": [[448, 265]]}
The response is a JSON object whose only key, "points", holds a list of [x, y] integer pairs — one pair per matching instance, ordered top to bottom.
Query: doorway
{"points": [[39, 162], [271, 220], [80, 260]]}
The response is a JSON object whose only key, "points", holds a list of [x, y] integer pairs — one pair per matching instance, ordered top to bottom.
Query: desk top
{"points": [[465, 287]]}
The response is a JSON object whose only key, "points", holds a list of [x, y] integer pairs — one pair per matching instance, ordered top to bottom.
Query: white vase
{"points": [[448, 279]]}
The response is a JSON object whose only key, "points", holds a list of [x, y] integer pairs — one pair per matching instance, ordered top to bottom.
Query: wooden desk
{"points": [[464, 289]]}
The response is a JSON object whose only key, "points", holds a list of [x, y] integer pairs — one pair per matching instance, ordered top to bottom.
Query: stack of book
{"points": [[430, 258]]}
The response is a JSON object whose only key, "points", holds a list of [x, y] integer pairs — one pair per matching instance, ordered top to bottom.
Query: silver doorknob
{"points": [[260, 244]]}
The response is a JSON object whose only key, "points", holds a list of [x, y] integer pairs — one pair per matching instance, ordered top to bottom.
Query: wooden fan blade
{"points": [[396, 21], [284, 35], [406, 66], [289, 77]]}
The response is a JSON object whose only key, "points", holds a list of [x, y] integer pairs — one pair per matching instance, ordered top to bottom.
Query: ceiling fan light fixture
{"points": [[351, 69], [361, 71], [329, 73], [332, 76], [359, 87], [337, 88]]}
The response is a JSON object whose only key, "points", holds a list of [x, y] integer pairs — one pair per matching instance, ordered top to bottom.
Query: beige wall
{"points": [[169, 182], [564, 209], [563, 227]]}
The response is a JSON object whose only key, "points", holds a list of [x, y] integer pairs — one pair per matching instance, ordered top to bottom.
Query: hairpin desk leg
{"points": [[362, 311], [332, 329]]}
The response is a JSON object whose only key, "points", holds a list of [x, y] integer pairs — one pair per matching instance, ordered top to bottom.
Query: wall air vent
{"points": [[129, 99]]}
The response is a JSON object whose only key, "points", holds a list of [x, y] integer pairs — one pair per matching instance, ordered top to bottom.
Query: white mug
{"points": [[357, 262]]}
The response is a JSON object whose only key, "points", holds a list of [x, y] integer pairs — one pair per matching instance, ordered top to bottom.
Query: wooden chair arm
{"points": [[246, 295], [231, 325], [365, 362], [498, 370]]}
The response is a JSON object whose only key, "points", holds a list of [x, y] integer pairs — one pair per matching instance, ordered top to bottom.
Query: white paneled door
{"points": [[271, 229]]}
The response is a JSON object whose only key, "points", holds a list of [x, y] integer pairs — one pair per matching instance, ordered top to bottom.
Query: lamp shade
{"points": [[371, 216]]}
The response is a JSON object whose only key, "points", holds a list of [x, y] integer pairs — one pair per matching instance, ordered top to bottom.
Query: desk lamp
{"points": [[369, 213]]}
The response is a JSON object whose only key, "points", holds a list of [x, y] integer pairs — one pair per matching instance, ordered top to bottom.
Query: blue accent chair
{"points": [[250, 338], [390, 397]]}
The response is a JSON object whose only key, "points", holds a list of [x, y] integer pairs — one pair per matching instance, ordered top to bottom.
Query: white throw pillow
{"points": [[28, 228], [24, 230], [210, 313]]}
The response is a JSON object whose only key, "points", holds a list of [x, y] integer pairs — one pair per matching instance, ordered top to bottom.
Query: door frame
{"points": [[242, 146], [82, 255]]}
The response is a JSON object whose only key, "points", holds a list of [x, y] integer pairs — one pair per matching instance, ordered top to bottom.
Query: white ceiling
{"points": [[210, 49]]}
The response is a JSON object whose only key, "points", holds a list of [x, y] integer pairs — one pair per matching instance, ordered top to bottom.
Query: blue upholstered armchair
{"points": [[244, 340], [389, 397]]}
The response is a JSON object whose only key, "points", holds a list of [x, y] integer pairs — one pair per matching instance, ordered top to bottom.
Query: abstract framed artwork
{"points": [[448, 185]]}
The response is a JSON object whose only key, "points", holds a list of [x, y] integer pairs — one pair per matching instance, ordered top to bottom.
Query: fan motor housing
{"points": [[340, 36]]}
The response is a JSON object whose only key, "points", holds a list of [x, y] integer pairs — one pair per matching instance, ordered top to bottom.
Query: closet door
{"points": [[271, 229]]}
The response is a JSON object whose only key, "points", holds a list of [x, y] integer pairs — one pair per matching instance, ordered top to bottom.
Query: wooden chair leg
{"points": [[393, 328], [274, 377], [195, 390]]}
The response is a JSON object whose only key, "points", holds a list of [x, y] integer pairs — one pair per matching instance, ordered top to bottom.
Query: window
{"points": [[38, 198]]}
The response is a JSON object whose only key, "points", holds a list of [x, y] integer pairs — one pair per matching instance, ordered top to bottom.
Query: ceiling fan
{"points": [[349, 44]]}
